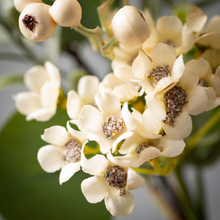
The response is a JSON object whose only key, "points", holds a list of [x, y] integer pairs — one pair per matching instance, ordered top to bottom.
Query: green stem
{"points": [[126, 2], [193, 142], [184, 199], [200, 200]]}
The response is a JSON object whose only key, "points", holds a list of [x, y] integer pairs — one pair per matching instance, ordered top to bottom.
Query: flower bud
{"points": [[21, 4], [66, 13], [36, 23], [129, 27]]}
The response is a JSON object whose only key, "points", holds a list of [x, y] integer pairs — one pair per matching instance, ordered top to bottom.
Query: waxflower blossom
{"points": [[36, 23], [135, 29], [171, 31], [160, 74], [207, 80], [88, 86], [41, 101], [174, 106], [109, 124], [64, 151], [112, 179]]}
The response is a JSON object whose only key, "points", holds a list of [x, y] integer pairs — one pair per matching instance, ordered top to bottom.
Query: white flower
{"points": [[21, 4], [171, 31], [162, 72], [207, 80], [88, 86], [40, 103], [173, 107], [108, 125], [64, 151], [113, 189]]}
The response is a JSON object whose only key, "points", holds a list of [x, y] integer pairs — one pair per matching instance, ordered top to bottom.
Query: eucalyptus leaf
{"points": [[28, 192]]}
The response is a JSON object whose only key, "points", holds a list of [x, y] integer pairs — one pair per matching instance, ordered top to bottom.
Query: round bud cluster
{"points": [[38, 21], [129, 27]]}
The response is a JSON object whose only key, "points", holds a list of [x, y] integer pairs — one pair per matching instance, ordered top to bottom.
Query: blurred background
{"points": [[13, 60]]}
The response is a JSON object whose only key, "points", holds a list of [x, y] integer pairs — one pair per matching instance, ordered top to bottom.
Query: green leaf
{"points": [[8, 80], [28, 192]]}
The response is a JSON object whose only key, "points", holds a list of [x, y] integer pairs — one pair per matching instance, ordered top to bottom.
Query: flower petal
{"points": [[213, 24], [169, 27], [211, 39], [163, 55], [141, 65], [178, 68], [52, 71], [124, 73], [35, 78], [88, 86], [125, 92], [50, 94], [211, 95], [197, 101], [27, 102], [74, 104], [108, 104], [156, 107], [42, 114], [91, 118], [130, 122], [151, 124], [182, 127], [56, 135], [80, 135], [105, 144], [171, 148], [149, 154], [50, 158], [118, 161], [95, 165], [68, 170], [134, 180], [94, 189], [119, 205]]}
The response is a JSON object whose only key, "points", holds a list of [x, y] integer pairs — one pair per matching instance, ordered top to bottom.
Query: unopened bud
{"points": [[21, 4], [66, 13], [36, 23], [129, 27]]}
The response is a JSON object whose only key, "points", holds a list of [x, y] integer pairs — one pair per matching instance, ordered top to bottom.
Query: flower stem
{"points": [[126, 2], [193, 142]]}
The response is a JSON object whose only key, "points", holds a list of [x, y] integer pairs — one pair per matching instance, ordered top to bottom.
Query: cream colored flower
{"points": [[171, 31], [124, 56], [160, 74], [207, 80], [88, 86], [41, 101], [173, 107], [108, 125], [64, 151], [111, 181]]}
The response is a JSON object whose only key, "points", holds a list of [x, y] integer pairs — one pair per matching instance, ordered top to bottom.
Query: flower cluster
{"points": [[139, 112]]}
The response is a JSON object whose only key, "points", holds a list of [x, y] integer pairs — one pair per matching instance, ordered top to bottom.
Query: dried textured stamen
{"points": [[29, 22], [170, 43], [157, 74], [202, 83], [174, 100], [113, 125], [142, 147], [72, 151], [115, 176]]}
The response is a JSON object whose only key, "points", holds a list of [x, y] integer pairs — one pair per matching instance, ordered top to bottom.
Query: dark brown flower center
{"points": [[29, 22], [170, 43], [157, 74], [202, 83], [174, 101], [112, 126], [143, 146], [72, 151], [115, 176]]}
